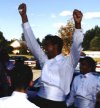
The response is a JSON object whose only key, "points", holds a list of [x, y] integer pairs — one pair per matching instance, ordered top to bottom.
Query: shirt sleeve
{"points": [[33, 45], [76, 47], [98, 85], [70, 99]]}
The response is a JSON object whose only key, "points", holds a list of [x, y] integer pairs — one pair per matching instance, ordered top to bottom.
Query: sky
{"points": [[46, 16]]}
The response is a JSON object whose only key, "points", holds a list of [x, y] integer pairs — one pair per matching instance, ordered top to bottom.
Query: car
{"points": [[28, 61], [98, 67]]}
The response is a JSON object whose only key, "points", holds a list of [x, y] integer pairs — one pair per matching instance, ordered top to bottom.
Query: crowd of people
{"points": [[57, 89]]}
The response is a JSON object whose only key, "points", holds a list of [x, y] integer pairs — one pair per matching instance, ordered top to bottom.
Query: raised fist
{"points": [[22, 9], [77, 15]]}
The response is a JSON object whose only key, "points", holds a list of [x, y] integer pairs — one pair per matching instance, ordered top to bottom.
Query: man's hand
{"points": [[22, 10], [77, 15]]}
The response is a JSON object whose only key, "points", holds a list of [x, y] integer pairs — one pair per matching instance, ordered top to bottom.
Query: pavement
{"points": [[36, 74]]}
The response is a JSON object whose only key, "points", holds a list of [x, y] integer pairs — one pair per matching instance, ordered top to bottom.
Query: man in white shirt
{"points": [[57, 70], [21, 79], [85, 86]]}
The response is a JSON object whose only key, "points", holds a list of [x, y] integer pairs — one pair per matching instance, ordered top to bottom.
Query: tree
{"points": [[65, 32], [89, 36], [22, 37], [3, 41], [4, 44], [95, 44], [23, 48]]}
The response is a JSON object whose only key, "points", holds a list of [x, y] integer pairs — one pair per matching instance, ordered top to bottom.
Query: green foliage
{"points": [[22, 37], [90, 39], [3, 41], [4, 44], [95, 44], [23, 48]]}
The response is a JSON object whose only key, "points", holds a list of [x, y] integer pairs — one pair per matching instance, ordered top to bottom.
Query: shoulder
{"points": [[95, 75], [77, 78], [3, 101]]}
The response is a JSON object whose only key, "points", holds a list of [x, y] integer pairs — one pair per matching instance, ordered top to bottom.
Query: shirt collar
{"points": [[59, 57], [86, 75], [19, 94]]}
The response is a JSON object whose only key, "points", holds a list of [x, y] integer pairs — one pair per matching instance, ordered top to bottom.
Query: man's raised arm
{"points": [[29, 36], [77, 38]]}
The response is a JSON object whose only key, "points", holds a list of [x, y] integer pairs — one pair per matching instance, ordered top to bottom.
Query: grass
{"points": [[28, 56]]}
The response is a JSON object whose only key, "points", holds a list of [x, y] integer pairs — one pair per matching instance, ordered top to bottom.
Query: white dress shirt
{"points": [[57, 72], [84, 90], [16, 100]]}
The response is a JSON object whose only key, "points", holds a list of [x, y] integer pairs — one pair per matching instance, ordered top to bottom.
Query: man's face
{"points": [[50, 50], [84, 67]]}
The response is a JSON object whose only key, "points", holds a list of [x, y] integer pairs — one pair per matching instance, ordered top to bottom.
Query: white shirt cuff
{"points": [[26, 25]]}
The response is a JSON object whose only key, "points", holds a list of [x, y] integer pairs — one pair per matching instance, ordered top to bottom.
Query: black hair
{"points": [[55, 40], [4, 57], [91, 62], [21, 76]]}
